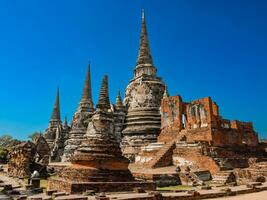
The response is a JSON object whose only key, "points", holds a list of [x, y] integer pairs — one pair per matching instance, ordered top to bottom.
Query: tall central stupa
{"points": [[142, 100]]}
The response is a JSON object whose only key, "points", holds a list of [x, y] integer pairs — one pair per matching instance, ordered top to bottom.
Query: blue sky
{"points": [[200, 48]]}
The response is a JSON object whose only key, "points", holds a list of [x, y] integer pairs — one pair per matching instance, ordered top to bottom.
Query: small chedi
{"points": [[142, 101], [80, 119], [56, 133], [98, 164]]}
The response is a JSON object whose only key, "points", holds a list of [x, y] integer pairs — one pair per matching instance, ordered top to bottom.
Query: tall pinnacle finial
{"points": [[143, 15], [144, 56], [87, 90], [103, 102], [86, 103], [119, 103], [56, 109], [65, 124]]}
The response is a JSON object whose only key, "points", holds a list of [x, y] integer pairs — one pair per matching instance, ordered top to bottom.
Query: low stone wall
{"points": [[80, 187]]}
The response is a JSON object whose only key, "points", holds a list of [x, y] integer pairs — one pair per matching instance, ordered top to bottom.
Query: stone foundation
{"points": [[73, 187]]}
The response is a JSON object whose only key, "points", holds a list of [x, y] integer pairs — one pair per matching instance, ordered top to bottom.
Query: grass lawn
{"points": [[43, 183], [176, 187]]}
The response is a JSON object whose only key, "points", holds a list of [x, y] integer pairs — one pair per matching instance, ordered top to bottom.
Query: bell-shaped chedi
{"points": [[142, 100], [80, 119], [56, 133], [100, 148], [98, 163]]}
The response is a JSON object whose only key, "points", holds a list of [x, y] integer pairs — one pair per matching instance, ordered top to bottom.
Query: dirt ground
{"points": [[253, 196]]}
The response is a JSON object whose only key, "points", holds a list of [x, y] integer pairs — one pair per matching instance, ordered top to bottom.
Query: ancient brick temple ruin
{"points": [[200, 120], [56, 133], [194, 136], [163, 137], [97, 163]]}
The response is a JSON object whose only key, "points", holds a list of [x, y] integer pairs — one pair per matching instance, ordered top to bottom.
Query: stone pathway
{"points": [[16, 183], [242, 192], [253, 196], [4, 197]]}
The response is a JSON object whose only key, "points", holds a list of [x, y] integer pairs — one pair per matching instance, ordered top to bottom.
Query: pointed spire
{"points": [[144, 55], [87, 90], [166, 93], [103, 102], [86, 103], [119, 103], [56, 109], [65, 124]]}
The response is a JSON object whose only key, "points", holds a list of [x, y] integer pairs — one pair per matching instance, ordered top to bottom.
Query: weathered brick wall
{"points": [[171, 112], [198, 113], [200, 120], [246, 131], [200, 134], [168, 135], [221, 137], [193, 157], [21, 160]]}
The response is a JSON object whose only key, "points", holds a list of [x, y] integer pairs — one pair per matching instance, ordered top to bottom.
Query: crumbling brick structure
{"points": [[200, 121], [29, 156]]}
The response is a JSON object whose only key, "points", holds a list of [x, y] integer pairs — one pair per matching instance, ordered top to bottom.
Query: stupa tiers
{"points": [[142, 100], [80, 119], [55, 134], [98, 163]]}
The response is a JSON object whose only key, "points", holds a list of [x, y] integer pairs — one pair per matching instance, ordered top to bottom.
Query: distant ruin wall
{"points": [[199, 120]]}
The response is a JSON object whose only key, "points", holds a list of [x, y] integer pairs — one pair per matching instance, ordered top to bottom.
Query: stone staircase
{"points": [[163, 156], [221, 164], [259, 168], [189, 178], [224, 178]]}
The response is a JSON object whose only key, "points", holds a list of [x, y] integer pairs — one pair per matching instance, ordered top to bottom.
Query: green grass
{"points": [[43, 183], [177, 187]]}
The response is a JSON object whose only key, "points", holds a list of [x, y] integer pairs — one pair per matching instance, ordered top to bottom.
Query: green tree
{"points": [[34, 135], [7, 141], [6, 144], [3, 155]]}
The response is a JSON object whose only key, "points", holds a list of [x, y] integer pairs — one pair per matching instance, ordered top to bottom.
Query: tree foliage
{"points": [[34, 135], [7, 141], [3, 155]]}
